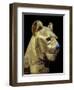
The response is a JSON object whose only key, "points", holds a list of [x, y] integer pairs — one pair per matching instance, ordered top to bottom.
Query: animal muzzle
{"points": [[54, 50]]}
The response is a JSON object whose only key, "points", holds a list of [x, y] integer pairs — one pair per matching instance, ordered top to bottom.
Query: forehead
{"points": [[46, 32]]}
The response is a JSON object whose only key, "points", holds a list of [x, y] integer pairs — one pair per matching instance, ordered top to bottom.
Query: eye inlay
{"points": [[48, 39]]}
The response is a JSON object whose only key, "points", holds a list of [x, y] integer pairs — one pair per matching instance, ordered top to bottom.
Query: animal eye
{"points": [[48, 39]]}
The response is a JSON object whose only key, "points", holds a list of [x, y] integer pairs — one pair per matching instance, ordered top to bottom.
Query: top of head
{"points": [[37, 27]]}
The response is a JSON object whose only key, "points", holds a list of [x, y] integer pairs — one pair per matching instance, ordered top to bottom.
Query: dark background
{"points": [[57, 20]]}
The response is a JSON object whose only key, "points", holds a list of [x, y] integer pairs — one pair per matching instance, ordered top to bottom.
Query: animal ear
{"points": [[50, 25], [36, 26]]}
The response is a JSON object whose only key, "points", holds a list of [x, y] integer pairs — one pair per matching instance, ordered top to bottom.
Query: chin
{"points": [[51, 57]]}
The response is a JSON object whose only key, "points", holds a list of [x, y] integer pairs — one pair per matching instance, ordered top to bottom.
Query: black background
{"points": [[57, 20]]}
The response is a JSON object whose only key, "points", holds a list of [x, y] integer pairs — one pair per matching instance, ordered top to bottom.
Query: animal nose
{"points": [[58, 46]]}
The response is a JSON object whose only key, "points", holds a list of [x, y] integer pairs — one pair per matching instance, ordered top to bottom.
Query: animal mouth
{"points": [[53, 51]]}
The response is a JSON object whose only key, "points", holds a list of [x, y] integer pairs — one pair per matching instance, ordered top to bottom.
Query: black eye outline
{"points": [[48, 39]]}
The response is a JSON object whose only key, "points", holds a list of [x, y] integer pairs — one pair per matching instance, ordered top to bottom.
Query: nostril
{"points": [[58, 46]]}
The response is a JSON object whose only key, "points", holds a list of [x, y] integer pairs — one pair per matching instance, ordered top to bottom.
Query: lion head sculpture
{"points": [[43, 46]]}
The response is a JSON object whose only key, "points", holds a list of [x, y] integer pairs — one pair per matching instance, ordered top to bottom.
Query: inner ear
{"points": [[50, 25], [36, 26], [39, 28]]}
